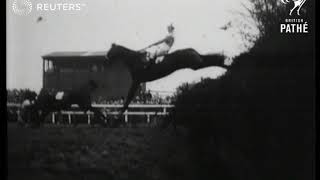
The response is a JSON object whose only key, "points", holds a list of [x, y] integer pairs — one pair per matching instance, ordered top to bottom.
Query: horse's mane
{"points": [[193, 51], [128, 52], [185, 53]]}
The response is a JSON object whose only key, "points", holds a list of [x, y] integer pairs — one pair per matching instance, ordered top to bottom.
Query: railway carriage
{"points": [[71, 70]]}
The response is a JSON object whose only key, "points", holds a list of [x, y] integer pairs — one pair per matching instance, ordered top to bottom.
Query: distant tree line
{"points": [[19, 95]]}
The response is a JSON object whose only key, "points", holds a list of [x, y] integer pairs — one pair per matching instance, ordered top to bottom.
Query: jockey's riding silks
{"points": [[160, 49], [59, 95]]}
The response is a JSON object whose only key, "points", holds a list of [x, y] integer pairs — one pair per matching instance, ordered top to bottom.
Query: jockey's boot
{"points": [[145, 57], [150, 62]]}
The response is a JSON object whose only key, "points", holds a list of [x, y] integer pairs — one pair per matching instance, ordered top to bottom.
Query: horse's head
{"points": [[30, 95], [45, 97]]}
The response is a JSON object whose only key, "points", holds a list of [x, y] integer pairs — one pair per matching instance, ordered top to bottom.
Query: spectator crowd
{"points": [[18, 96], [141, 98]]}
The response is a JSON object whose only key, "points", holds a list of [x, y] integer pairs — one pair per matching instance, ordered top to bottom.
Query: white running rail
{"points": [[152, 112]]}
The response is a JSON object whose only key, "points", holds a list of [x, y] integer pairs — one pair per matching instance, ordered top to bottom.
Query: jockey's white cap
{"points": [[171, 26]]}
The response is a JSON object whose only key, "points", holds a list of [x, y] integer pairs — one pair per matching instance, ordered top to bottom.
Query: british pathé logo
{"points": [[297, 5], [21, 7], [294, 25]]}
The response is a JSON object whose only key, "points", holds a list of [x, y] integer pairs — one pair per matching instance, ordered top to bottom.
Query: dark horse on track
{"points": [[140, 73], [30, 97], [47, 102]]}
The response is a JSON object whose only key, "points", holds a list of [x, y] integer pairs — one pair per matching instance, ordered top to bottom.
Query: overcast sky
{"points": [[131, 23]]}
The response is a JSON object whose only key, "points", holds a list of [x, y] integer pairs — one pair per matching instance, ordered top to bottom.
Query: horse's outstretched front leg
{"points": [[215, 60], [134, 87]]}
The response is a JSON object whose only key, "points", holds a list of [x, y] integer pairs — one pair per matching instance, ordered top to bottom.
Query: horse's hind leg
{"points": [[130, 96]]}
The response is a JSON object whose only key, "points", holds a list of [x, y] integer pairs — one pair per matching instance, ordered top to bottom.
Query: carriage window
{"points": [[45, 65], [49, 66]]}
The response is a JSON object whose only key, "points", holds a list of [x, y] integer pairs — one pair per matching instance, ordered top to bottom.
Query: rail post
{"points": [[105, 116], [126, 116], [53, 118], [69, 118], [148, 118], [89, 120]]}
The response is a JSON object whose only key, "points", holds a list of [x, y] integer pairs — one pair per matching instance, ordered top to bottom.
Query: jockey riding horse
{"points": [[156, 51], [154, 62]]}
